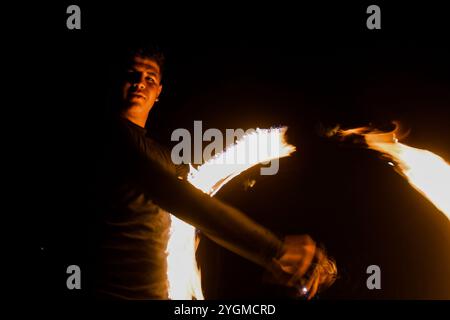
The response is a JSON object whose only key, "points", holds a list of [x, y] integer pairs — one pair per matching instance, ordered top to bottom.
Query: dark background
{"points": [[235, 66]]}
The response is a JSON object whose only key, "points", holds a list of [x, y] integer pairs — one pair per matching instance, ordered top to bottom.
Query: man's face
{"points": [[142, 84]]}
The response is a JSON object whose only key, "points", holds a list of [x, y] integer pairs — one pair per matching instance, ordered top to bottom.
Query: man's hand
{"points": [[304, 266]]}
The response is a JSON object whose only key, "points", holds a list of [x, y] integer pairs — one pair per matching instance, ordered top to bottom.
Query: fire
{"points": [[259, 146], [427, 172], [182, 271]]}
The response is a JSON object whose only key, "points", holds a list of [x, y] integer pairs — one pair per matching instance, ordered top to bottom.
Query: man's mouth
{"points": [[137, 95]]}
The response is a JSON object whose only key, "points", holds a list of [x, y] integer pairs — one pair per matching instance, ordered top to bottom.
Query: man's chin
{"points": [[136, 106]]}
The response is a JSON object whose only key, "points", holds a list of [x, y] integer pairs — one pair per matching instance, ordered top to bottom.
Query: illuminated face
{"points": [[142, 84]]}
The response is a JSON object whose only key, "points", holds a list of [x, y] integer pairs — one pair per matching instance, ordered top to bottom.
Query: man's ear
{"points": [[159, 90]]}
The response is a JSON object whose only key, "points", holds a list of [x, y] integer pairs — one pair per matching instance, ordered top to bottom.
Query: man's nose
{"points": [[139, 82], [139, 85]]}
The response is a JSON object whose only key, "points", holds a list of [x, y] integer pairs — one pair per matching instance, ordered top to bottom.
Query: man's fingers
{"points": [[294, 253], [299, 253], [320, 256], [292, 262], [302, 267], [289, 269], [327, 271], [279, 272], [308, 285], [311, 287], [314, 288]]}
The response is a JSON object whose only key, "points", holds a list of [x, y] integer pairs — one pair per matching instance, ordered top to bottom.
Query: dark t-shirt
{"points": [[136, 179], [132, 257]]}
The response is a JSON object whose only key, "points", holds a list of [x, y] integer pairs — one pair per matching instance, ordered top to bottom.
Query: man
{"points": [[138, 184]]}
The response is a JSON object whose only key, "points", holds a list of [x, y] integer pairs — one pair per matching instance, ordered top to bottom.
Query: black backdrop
{"points": [[255, 66]]}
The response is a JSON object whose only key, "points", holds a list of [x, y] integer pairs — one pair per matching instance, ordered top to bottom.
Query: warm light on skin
{"points": [[141, 90]]}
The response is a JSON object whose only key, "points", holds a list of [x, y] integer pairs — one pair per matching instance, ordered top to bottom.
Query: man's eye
{"points": [[130, 75], [149, 79]]}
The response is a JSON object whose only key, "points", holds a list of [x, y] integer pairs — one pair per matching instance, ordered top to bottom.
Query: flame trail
{"points": [[259, 146], [425, 171], [182, 271]]}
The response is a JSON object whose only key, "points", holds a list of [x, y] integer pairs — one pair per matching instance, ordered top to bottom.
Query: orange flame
{"points": [[425, 171], [182, 270], [183, 273]]}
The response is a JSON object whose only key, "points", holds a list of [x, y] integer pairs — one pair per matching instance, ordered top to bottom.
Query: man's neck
{"points": [[136, 117]]}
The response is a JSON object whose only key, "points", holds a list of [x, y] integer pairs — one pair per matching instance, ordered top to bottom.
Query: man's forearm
{"points": [[223, 223]]}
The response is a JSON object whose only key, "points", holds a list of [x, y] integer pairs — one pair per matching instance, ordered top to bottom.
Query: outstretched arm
{"points": [[224, 224]]}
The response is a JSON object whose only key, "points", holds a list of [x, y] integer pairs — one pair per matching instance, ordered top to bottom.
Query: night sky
{"points": [[235, 67]]}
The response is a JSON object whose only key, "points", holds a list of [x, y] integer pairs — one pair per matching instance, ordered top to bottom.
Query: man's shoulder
{"points": [[139, 139], [154, 146]]}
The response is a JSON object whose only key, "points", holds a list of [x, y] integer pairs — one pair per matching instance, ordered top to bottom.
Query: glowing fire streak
{"points": [[260, 146], [427, 172], [182, 271]]}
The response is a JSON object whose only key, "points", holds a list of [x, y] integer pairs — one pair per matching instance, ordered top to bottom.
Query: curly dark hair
{"points": [[152, 52], [124, 58]]}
